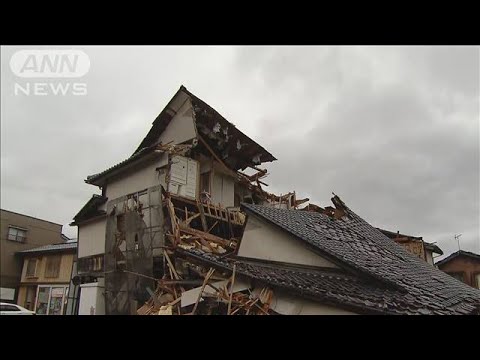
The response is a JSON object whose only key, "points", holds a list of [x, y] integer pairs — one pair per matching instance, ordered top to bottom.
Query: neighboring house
{"points": [[21, 232], [416, 245], [463, 266], [46, 277]]}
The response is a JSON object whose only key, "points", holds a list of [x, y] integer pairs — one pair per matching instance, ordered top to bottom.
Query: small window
{"points": [[17, 234], [31, 268], [52, 269], [477, 280]]}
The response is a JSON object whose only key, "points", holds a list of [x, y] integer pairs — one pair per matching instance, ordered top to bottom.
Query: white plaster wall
{"points": [[181, 128], [137, 179], [223, 189], [91, 238], [262, 240], [92, 300], [287, 304]]}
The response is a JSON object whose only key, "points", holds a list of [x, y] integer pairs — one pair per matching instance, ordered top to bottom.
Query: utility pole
{"points": [[458, 241]]}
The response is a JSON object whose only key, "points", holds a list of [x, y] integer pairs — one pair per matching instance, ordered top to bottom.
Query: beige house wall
{"points": [[39, 232], [91, 238], [262, 240]]}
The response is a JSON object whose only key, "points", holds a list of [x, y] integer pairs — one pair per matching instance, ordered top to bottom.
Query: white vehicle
{"points": [[13, 309]]}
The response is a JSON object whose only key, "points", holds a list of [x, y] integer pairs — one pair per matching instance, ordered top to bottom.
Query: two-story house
{"points": [[21, 232], [462, 265], [46, 277]]}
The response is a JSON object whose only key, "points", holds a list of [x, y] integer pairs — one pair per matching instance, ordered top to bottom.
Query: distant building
{"points": [[20, 232], [415, 244], [464, 266], [46, 278]]}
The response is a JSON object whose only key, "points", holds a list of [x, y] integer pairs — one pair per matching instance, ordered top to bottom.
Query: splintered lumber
{"points": [[227, 169], [216, 223], [207, 236], [170, 265], [207, 277], [231, 289]]}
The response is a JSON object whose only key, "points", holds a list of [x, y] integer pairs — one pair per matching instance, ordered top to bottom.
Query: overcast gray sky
{"points": [[394, 131]]}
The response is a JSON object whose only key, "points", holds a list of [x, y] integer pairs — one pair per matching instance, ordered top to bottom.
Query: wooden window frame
{"points": [[19, 239], [53, 274], [29, 276]]}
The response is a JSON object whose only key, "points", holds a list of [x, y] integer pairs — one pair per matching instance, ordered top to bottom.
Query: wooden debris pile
{"points": [[217, 295]]}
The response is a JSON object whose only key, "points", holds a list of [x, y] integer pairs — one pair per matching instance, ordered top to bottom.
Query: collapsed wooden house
{"points": [[181, 228]]}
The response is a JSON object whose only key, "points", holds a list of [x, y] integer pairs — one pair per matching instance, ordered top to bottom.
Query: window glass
{"points": [[16, 234], [31, 267], [52, 270], [42, 300], [56, 301], [8, 308]]}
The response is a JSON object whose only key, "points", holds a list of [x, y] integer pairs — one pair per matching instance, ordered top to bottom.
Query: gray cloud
{"points": [[393, 130]]}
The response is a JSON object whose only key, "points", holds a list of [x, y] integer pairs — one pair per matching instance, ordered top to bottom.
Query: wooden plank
{"points": [[227, 169], [202, 216], [216, 223], [207, 236], [171, 266], [207, 277], [231, 289]]}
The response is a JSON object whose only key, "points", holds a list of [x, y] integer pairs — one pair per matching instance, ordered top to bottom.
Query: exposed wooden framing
{"points": [[227, 169], [211, 228], [207, 236], [170, 265]]}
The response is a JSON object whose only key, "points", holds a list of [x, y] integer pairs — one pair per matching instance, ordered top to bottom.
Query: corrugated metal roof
{"points": [[51, 247]]}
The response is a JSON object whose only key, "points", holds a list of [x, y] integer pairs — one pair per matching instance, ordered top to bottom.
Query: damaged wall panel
{"points": [[184, 179], [134, 237]]}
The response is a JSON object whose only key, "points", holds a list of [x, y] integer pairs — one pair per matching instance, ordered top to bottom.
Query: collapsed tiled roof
{"points": [[354, 244], [51, 248], [457, 254], [328, 285]]}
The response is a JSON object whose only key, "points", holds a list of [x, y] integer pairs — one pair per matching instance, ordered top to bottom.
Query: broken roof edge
{"points": [[210, 108], [152, 132], [149, 142], [92, 204], [456, 254], [323, 299]]}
